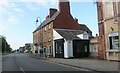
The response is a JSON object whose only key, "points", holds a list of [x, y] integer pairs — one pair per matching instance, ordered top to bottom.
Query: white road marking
{"points": [[22, 70]]}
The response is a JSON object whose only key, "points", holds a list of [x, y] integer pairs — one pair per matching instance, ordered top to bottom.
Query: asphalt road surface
{"points": [[23, 63]]}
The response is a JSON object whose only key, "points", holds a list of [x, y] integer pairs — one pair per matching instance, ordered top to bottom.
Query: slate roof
{"points": [[48, 20], [84, 27], [69, 34]]}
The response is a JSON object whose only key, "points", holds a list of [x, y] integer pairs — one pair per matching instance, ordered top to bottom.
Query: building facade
{"points": [[119, 20], [49, 35], [108, 41], [94, 47]]}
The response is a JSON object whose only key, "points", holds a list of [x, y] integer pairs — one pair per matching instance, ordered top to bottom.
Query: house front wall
{"points": [[107, 14], [119, 23], [110, 26], [85, 35], [56, 36], [44, 38], [47, 41], [59, 48], [80, 48], [94, 48], [68, 49]]}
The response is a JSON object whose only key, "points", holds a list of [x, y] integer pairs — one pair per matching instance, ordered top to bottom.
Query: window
{"points": [[49, 26], [45, 28], [49, 36], [110, 39], [114, 42], [85, 47], [50, 49]]}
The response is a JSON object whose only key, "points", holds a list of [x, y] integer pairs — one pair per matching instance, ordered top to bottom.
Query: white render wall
{"points": [[56, 36], [83, 36], [53, 49], [68, 49]]}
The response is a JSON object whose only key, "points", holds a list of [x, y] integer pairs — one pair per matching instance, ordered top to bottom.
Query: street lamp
{"points": [[38, 21], [37, 44]]}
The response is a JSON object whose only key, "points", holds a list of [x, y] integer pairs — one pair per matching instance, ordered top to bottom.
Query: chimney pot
{"points": [[52, 12], [47, 17], [76, 20]]}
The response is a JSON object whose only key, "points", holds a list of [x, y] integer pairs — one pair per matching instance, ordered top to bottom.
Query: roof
{"points": [[48, 20], [84, 27], [69, 34]]}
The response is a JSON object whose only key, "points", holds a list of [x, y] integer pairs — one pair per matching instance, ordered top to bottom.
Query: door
{"points": [[59, 49]]}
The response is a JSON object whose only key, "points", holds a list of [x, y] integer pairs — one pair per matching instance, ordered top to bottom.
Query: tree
{"points": [[5, 46]]}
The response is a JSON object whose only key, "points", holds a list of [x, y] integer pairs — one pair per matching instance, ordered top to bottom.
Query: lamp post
{"points": [[38, 21], [37, 44]]}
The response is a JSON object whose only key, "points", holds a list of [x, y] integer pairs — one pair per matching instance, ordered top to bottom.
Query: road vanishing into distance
{"points": [[23, 62]]}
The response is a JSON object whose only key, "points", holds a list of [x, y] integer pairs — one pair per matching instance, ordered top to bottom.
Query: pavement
{"points": [[86, 63]]}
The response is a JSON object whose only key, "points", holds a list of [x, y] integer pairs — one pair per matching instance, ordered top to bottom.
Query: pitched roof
{"points": [[48, 20], [84, 27], [69, 34]]}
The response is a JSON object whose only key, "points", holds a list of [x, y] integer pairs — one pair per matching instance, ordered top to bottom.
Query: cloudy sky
{"points": [[17, 18]]}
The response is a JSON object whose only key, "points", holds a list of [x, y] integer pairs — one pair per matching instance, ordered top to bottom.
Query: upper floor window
{"points": [[49, 26], [45, 29]]}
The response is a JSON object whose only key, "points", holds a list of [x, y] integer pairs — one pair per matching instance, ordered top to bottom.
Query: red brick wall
{"points": [[64, 7], [65, 21], [101, 37], [101, 47]]}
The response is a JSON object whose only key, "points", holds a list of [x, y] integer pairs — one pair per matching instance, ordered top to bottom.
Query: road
{"points": [[23, 63]]}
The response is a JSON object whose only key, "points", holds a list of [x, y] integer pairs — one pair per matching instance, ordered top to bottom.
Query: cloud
{"points": [[44, 3], [34, 5], [6, 6], [31, 6], [18, 10], [9, 13], [12, 20], [5, 24]]}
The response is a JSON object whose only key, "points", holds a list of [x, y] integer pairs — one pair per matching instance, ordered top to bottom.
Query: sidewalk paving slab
{"points": [[86, 63]]}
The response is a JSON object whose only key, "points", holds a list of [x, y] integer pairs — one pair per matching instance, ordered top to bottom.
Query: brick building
{"points": [[119, 20], [51, 34], [108, 40]]}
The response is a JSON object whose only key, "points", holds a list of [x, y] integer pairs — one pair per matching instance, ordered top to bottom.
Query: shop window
{"points": [[110, 39], [114, 42], [85, 48]]}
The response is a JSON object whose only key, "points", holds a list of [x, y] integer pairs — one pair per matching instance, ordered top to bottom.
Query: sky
{"points": [[17, 18]]}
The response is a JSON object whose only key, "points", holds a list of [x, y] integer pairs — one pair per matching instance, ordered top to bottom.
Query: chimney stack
{"points": [[64, 6], [52, 12]]}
